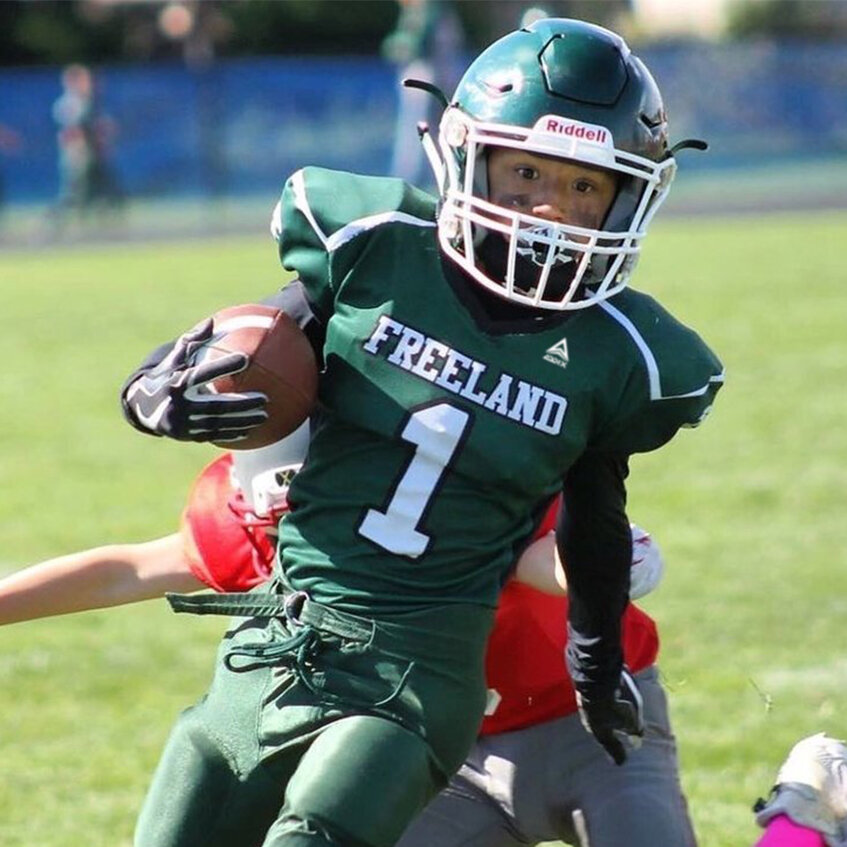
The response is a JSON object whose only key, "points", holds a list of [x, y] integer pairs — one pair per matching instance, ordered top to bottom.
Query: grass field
{"points": [[749, 511]]}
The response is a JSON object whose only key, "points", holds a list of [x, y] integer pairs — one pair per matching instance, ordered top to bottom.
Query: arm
{"points": [[167, 395], [595, 544], [540, 565], [97, 578]]}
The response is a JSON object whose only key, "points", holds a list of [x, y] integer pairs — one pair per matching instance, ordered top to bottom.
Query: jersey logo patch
{"points": [[558, 354]]}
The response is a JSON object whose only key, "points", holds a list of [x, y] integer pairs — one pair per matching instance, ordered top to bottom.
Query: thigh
{"points": [[360, 782], [211, 787], [198, 799], [640, 803], [460, 816]]}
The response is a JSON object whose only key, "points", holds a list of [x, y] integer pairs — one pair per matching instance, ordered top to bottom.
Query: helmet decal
{"points": [[576, 130]]}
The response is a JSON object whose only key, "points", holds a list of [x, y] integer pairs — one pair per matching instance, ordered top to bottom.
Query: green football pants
{"points": [[322, 730]]}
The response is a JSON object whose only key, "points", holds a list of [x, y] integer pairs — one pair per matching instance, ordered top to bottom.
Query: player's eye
{"points": [[526, 172], [583, 186]]}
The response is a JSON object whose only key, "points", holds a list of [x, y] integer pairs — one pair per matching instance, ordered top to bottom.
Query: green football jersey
{"points": [[442, 437]]}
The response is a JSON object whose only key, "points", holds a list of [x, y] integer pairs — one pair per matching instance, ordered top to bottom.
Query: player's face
{"points": [[554, 189]]}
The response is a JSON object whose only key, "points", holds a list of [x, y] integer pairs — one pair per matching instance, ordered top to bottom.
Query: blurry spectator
{"points": [[201, 28], [427, 44], [10, 144], [85, 176]]}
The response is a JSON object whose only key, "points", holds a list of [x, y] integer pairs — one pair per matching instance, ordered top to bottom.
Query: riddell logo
{"points": [[574, 129]]}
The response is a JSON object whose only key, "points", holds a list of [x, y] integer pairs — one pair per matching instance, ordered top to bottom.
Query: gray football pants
{"points": [[553, 782]]}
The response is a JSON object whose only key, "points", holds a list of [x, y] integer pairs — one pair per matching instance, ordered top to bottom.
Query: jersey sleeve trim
{"points": [[298, 187], [276, 221], [355, 228], [350, 230], [653, 375]]}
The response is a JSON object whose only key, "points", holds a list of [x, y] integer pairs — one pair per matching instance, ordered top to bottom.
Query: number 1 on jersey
{"points": [[436, 431]]}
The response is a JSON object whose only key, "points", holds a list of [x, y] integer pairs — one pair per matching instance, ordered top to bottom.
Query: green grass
{"points": [[748, 510]]}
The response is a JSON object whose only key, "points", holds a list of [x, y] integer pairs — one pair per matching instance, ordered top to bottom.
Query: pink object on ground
{"points": [[783, 832]]}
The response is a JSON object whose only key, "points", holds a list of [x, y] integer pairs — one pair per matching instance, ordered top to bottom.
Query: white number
{"points": [[436, 432]]}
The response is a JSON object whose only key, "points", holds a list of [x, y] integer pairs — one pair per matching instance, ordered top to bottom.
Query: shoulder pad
{"points": [[338, 206], [326, 218], [677, 362], [674, 380]]}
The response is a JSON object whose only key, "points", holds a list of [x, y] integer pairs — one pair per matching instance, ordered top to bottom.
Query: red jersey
{"points": [[525, 664]]}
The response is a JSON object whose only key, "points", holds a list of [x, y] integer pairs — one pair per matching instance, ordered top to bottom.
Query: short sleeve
{"points": [[326, 219], [303, 240], [672, 383]]}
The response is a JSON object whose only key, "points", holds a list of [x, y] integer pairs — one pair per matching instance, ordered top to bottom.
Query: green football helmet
{"points": [[565, 89]]}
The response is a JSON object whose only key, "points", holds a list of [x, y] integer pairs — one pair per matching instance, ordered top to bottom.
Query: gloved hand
{"points": [[173, 398], [617, 722], [811, 789]]}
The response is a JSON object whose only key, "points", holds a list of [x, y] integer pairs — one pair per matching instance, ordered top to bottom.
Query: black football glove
{"points": [[172, 399], [616, 721]]}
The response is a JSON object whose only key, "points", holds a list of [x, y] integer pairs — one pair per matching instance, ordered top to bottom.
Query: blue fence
{"points": [[243, 125]]}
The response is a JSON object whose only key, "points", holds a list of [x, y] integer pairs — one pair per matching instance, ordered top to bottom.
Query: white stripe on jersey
{"points": [[298, 186], [349, 231], [653, 375]]}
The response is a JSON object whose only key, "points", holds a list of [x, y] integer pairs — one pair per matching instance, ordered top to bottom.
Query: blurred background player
{"points": [[427, 44], [84, 136], [11, 143]]}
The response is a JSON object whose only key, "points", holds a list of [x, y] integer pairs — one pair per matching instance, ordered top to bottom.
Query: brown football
{"points": [[282, 366]]}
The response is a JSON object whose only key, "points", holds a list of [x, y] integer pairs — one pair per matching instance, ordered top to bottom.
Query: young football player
{"points": [[481, 353], [224, 544], [532, 774]]}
